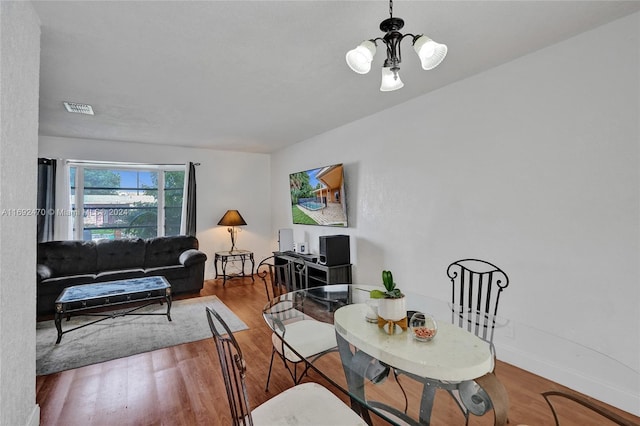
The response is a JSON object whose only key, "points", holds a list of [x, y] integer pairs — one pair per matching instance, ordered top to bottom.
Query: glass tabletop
{"points": [[233, 252]]}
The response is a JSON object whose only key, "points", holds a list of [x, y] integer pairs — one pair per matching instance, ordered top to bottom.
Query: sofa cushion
{"points": [[165, 251], [120, 254], [68, 257], [169, 272], [120, 274], [67, 281]]}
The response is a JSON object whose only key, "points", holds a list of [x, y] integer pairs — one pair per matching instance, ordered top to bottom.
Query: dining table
{"points": [[389, 373]]}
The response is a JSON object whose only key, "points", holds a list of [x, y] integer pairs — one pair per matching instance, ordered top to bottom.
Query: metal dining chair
{"points": [[274, 276], [476, 286], [305, 336], [564, 397], [305, 404]]}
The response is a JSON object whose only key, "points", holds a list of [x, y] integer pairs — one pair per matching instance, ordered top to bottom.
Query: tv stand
{"points": [[308, 257], [318, 275]]}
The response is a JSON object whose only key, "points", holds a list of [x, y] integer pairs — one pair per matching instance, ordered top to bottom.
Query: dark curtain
{"points": [[191, 201], [46, 202]]}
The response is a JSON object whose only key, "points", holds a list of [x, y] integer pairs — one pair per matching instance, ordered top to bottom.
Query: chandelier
{"points": [[429, 52]]}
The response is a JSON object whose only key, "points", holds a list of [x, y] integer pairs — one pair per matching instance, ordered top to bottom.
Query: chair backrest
{"points": [[299, 275], [276, 277], [281, 278], [475, 294], [233, 369], [585, 402]]}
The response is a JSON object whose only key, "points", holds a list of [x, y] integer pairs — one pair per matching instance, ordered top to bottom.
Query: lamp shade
{"points": [[429, 52], [359, 59], [390, 80], [232, 218]]}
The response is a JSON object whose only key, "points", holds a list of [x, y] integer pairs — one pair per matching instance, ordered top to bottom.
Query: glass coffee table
{"points": [[81, 299]]}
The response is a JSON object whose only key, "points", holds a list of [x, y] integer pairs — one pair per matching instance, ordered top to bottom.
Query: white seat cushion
{"points": [[307, 337], [308, 404]]}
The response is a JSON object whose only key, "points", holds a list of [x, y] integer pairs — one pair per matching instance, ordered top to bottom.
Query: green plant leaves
{"points": [[387, 280], [391, 293], [377, 294], [394, 294]]}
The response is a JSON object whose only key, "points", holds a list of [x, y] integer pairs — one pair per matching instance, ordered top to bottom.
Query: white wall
{"points": [[19, 84], [532, 165], [225, 180]]}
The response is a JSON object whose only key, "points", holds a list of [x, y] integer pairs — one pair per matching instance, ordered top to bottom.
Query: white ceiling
{"points": [[257, 76]]}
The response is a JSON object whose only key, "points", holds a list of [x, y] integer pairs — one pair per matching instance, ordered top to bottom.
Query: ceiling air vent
{"points": [[78, 108]]}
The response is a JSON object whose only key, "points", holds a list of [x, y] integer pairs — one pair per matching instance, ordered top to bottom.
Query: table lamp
{"points": [[232, 218]]}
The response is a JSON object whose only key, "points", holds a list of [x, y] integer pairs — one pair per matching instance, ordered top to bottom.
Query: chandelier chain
{"points": [[391, 8]]}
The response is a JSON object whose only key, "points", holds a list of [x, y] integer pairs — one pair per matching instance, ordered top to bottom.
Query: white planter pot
{"points": [[392, 309]]}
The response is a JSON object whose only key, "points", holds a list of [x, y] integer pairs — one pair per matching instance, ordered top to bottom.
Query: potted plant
{"points": [[392, 308]]}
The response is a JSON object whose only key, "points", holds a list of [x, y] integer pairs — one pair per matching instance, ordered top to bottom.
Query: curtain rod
{"points": [[122, 163]]}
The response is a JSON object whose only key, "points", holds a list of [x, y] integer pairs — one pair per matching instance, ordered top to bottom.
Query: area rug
{"points": [[125, 336]]}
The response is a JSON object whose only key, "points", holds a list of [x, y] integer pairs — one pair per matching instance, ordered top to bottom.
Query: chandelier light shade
{"points": [[431, 53], [359, 59], [390, 80]]}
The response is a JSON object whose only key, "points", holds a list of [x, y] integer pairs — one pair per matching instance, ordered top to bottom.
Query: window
{"points": [[119, 200]]}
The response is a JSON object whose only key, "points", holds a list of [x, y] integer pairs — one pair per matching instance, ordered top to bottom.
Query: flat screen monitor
{"points": [[318, 196]]}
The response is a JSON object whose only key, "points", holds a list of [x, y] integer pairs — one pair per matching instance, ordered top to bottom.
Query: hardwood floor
{"points": [[182, 385]]}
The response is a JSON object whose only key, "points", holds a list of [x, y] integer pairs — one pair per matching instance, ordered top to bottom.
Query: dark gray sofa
{"points": [[66, 263]]}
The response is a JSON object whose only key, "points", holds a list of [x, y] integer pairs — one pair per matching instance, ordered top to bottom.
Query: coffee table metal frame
{"points": [[77, 300]]}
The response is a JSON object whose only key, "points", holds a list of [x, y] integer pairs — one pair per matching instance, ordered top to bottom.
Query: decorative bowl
{"points": [[423, 326]]}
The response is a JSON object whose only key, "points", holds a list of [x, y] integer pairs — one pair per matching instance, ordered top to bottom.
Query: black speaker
{"points": [[334, 250]]}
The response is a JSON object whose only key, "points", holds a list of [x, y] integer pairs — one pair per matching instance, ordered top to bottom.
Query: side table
{"points": [[225, 257]]}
